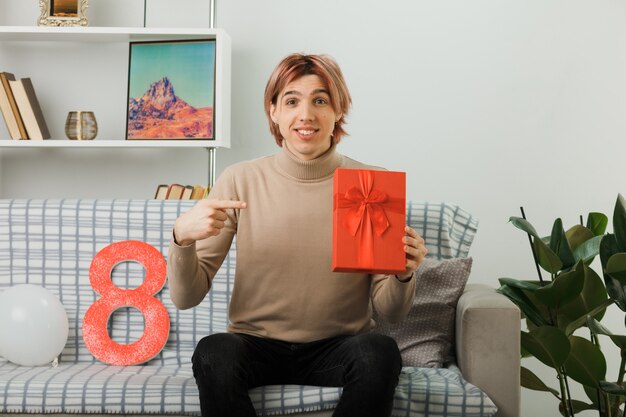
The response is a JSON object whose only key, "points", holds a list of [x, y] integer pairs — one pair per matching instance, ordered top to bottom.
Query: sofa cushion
{"points": [[447, 229], [426, 335], [96, 388]]}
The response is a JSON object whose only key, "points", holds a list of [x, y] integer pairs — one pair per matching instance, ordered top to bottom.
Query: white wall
{"points": [[488, 104]]}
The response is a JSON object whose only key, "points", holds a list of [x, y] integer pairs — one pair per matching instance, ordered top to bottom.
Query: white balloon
{"points": [[33, 325]]}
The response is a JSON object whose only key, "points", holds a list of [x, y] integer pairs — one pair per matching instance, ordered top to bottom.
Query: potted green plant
{"points": [[564, 309]]}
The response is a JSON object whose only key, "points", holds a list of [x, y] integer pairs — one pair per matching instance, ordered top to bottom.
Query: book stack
{"points": [[20, 108], [181, 192]]}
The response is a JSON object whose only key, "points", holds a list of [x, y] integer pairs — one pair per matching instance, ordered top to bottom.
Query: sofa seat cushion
{"points": [[96, 388]]}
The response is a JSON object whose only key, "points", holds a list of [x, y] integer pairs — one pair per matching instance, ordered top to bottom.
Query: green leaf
{"points": [[597, 222], [619, 222], [525, 226], [577, 235], [560, 245], [608, 248], [588, 250], [546, 258], [616, 267], [615, 277], [516, 283], [564, 288], [615, 289], [592, 295], [523, 302], [541, 307], [582, 321], [531, 326], [597, 328], [548, 344], [586, 363], [531, 381], [612, 388], [592, 394], [578, 406]]}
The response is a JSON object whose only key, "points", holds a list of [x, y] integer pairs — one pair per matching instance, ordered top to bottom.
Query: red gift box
{"points": [[368, 221]]}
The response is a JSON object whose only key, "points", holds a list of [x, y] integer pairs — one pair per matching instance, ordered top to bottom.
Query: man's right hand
{"points": [[205, 219]]}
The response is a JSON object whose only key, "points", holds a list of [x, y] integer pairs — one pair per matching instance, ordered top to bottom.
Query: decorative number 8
{"points": [[157, 321]]}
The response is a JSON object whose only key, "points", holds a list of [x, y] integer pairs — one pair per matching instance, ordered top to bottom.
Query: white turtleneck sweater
{"points": [[284, 287]]}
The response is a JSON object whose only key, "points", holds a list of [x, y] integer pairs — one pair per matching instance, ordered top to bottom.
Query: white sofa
{"points": [[52, 242]]}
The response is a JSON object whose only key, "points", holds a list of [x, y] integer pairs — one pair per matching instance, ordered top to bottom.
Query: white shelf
{"points": [[103, 34], [133, 34], [104, 143]]}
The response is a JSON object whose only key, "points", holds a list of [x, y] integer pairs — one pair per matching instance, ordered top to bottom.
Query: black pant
{"points": [[226, 365]]}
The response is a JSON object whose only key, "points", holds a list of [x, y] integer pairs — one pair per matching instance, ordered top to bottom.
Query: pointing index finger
{"points": [[230, 204]]}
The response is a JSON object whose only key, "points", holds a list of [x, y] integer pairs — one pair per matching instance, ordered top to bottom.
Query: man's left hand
{"points": [[415, 253]]}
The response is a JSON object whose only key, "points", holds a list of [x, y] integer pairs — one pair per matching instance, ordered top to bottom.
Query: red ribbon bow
{"points": [[365, 206], [366, 213]]}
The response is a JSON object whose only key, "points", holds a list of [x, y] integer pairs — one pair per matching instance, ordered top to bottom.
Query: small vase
{"points": [[81, 125]]}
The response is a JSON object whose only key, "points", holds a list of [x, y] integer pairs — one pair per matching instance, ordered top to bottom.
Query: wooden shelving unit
{"points": [[25, 34]]}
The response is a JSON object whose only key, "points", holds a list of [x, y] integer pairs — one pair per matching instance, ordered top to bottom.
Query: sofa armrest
{"points": [[488, 346]]}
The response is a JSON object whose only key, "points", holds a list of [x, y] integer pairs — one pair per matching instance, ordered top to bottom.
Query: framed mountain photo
{"points": [[171, 90]]}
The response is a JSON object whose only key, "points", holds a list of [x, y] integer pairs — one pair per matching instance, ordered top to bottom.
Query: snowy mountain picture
{"points": [[171, 90]]}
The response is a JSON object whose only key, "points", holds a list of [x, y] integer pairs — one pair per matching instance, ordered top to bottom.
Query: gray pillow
{"points": [[426, 336]]}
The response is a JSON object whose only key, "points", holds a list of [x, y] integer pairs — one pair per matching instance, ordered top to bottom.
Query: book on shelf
{"points": [[8, 107], [29, 108], [161, 192], [175, 192], [180, 192], [199, 192], [187, 193]]}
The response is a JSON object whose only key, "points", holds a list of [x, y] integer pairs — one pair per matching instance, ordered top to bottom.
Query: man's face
{"points": [[305, 117]]}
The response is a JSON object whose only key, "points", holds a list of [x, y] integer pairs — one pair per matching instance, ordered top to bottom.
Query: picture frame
{"points": [[63, 13], [171, 90]]}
